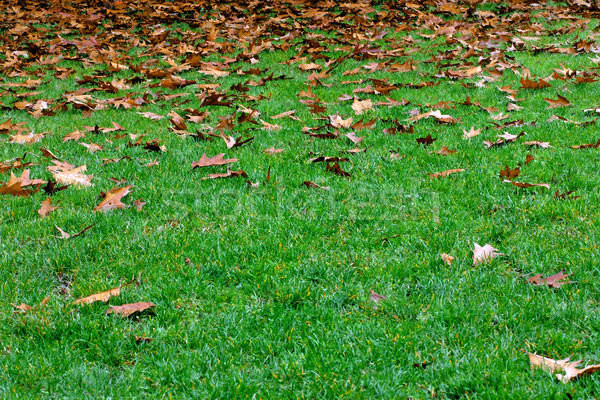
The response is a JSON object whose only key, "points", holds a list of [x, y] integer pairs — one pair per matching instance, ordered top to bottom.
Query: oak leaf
{"points": [[360, 106], [212, 161], [444, 174], [310, 184], [112, 199], [46, 208], [485, 253], [554, 281], [102, 296], [127, 310], [570, 368]]}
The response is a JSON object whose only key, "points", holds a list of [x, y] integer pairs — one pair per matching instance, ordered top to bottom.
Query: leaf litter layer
{"points": [[377, 143]]}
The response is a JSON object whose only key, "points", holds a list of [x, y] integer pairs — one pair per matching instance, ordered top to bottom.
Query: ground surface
{"points": [[265, 285]]}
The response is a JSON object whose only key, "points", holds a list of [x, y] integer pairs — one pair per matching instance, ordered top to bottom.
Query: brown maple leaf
{"points": [[212, 161]]}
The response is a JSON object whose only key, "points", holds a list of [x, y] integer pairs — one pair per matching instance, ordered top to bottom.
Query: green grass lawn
{"points": [[264, 290]]}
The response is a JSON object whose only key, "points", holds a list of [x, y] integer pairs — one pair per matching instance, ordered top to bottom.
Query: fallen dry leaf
{"points": [[560, 102], [360, 106], [471, 133], [272, 151], [212, 161], [228, 174], [444, 174], [310, 184], [526, 185], [112, 199], [46, 208], [65, 235], [485, 253], [447, 258], [554, 281], [102, 296], [376, 298], [127, 310], [570, 368]]}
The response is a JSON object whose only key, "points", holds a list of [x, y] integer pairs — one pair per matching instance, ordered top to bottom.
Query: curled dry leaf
{"points": [[527, 83], [338, 122], [270, 127], [27, 138], [355, 139], [426, 141], [231, 142], [537, 143], [587, 146], [272, 151], [444, 151], [336, 169], [228, 174], [444, 174], [509, 174], [310, 184], [526, 185], [64, 235], [485, 253], [447, 258], [102, 296], [376, 298], [127, 310]]}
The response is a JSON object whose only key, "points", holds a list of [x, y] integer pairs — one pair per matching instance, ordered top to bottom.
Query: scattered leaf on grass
{"points": [[471, 133], [212, 161], [336, 169], [444, 174], [310, 184], [526, 185], [112, 199], [46, 208], [65, 235], [485, 253], [447, 258], [555, 281], [102, 296], [127, 310], [569, 368]]}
